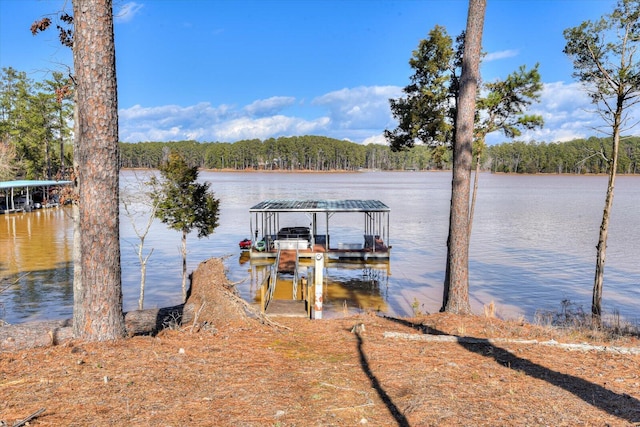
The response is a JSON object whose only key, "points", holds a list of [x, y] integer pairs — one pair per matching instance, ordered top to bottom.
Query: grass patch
{"points": [[573, 319]]}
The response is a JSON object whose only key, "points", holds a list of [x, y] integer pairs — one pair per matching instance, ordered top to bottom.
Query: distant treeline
{"points": [[318, 153], [577, 157]]}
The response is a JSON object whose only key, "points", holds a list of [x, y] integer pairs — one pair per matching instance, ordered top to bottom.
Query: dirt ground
{"points": [[340, 372]]}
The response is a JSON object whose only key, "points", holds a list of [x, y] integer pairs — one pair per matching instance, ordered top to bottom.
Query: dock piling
{"points": [[318, 285]]}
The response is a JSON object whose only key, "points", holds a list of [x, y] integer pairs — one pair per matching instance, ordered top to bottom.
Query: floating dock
{"points": [[267, 217], [286, 249]]}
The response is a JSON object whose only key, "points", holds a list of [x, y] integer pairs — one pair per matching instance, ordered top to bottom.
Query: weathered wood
{"points": [[287, 308], [141, 322], [53, 332], [34, 334], [501, 341], [25, 421]]}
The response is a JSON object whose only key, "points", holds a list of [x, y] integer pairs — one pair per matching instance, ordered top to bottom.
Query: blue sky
{"points": [[224, 70]]}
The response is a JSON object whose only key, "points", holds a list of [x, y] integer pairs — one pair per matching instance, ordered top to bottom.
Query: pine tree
{"points": [[184, 204]]}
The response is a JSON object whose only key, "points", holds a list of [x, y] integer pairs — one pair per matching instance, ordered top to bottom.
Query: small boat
{"points": [[245, 244]]}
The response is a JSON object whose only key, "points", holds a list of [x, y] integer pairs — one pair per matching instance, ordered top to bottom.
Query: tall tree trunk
{"points": [[456, 286], [78, 293], [596, 302], [98, 310]]}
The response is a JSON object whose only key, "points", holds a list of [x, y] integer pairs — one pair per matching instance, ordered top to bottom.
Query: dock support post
{"points": [[318, 282]]}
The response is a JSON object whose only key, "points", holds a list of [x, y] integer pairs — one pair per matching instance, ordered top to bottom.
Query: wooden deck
{"points": [[287, 256], [286, 308]]}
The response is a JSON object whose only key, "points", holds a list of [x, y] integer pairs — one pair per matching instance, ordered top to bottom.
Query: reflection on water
{"points": [[533, 245], [35, 259], [348, 288], [355, 289]]}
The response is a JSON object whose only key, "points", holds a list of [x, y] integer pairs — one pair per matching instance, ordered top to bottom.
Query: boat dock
{"points": [[27, 195], [270, 237], [286, 251]]}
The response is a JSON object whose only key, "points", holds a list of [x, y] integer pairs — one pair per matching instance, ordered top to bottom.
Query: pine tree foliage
{"points": [[423, 114], [35, 122], [184, 204]]}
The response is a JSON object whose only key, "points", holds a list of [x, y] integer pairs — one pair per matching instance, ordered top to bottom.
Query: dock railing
{"points": [[295, 275], [268, 286], [265, 292]]}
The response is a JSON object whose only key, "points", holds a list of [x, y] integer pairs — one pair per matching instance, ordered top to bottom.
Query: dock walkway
{"points": [[288, 261], [287, 308]]}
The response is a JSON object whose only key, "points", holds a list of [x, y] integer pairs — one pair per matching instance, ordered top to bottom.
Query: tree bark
{"points": [[456, 286], [98, 309]]}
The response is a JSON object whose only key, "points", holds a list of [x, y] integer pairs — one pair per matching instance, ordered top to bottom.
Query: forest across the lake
{"points": [[319, 153]]}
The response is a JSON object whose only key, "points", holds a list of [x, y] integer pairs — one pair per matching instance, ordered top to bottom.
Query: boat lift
{"points": [[269, 234], [315, 245]]}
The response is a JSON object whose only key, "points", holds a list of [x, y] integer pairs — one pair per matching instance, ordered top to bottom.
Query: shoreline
{"points": [[342, 171]]}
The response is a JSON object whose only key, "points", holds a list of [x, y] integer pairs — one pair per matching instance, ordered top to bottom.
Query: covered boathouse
{"points": [[26, 195], [272, 232], [289, 236]]}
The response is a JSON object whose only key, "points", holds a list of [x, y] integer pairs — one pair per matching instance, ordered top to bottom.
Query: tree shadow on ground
{"points": [[364, 364], [622, 406], [393, 409]]}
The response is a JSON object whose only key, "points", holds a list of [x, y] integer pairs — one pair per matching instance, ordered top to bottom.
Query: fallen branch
{"points": [[234, 284], [151, 321], [54, 332], [34, 334], [493, 341], [10, 383], [29, 418]]}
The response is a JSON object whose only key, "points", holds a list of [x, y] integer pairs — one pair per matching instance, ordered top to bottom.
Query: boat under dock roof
{"points": [[269, 217]]}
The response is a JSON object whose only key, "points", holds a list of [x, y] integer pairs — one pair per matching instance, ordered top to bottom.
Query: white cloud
{"points": [[128, 11], [493, 56], [269, 106], [361, 107], [566, 111], [354, 114], [358, 114], [202, 122], [267, 127], [376, 139]]}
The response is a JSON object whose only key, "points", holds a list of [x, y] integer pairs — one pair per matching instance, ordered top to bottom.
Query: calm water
{"points": [[533, 245]]}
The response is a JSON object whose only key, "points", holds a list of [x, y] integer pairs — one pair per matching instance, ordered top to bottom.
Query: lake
{"points": [[532, 246]]}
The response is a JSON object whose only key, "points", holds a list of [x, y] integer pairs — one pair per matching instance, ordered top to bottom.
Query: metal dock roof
{"points": [[30, 183], [292, 205]]}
